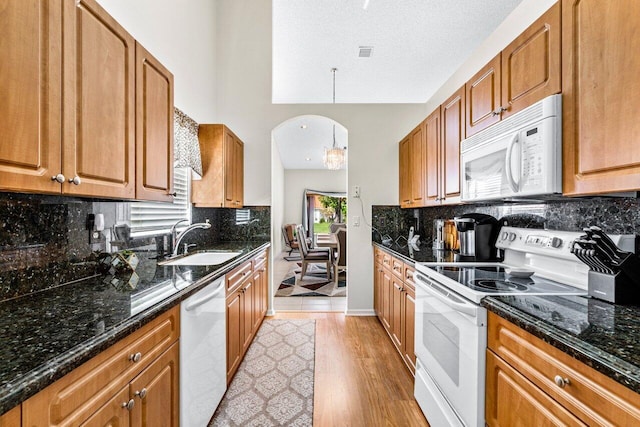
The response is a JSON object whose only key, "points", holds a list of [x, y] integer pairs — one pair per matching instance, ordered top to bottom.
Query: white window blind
{"points": [[159, 216], [242, 216]]}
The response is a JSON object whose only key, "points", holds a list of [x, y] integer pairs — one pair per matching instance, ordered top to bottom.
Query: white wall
{"points": [[182, 35], [297, 180], [277, 202]]}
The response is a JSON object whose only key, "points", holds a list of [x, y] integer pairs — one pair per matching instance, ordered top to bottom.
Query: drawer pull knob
{"points": [[75, 180], [135, 357], [561, 382], [142, 393], [129, 405]]}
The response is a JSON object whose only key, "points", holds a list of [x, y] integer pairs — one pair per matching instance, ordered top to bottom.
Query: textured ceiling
{"points": [[417, 45]]}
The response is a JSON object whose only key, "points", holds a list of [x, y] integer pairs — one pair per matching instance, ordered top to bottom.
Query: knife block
{"points": [[615, 288]]}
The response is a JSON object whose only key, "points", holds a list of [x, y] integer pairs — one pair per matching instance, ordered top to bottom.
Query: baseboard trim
{"points": [[271, 312], [365, 312]]}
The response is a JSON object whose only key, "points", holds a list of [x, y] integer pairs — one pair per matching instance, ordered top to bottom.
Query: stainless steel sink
{"points": [[202, 258]]}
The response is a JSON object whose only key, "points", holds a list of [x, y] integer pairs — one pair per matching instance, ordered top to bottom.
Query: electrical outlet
{"points": [[356, 191], [356, 221]]}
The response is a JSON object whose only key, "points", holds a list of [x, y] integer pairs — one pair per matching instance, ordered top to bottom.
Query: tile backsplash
{"points": [[615, 216], [44, 240]]}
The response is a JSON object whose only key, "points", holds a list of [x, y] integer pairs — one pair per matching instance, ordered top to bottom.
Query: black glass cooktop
{"points": [[495, 280]]}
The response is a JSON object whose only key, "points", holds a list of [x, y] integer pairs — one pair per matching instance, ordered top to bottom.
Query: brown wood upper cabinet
{"points": [[600, 69], [526, 71], [98, 103], [68, 120], [154, 128], [445, 130], [413, 168], [222, 183]]}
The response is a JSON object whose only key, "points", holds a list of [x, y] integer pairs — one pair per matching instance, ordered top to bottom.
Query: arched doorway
{"points": [[298, 172]]}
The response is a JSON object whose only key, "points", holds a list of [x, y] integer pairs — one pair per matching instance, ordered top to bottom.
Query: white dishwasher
{"points": [[203, 354]]}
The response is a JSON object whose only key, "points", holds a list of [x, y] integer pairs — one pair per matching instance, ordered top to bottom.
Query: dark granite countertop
{"points": [[409, 254], [49, 333], [601, 335]]}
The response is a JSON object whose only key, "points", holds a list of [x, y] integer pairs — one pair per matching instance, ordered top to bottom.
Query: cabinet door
{"points": [[531, 64], [600, 69], [30, 89], [483, 97], [99, 103], [154, 128], [453, 132], [432, 133], [417, 160], [230, 172], [405, 172], [238, 180], [248, 289], [377, 290], [257, 296], [387, 299], [396, 312], [408, 329], [234, 332], [156, 392], [512, 400], [114, 413], [11, 418]]}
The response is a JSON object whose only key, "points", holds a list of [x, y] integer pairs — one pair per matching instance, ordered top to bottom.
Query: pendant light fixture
{"points": [[334, 157]]}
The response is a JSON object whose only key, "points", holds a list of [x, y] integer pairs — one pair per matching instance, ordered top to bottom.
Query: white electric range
{"points": [[451, 326]]}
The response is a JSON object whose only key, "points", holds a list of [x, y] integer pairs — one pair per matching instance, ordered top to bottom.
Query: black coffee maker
{"points": [[477, 234]]}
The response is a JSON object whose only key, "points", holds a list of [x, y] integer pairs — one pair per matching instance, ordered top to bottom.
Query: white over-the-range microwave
{"points": [[520, 156]]}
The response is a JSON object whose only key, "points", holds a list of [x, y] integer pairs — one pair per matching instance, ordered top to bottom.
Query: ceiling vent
{"points": [[365, 51]]}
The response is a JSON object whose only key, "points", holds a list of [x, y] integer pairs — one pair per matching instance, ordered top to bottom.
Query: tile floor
{"points": [[280, 269]]}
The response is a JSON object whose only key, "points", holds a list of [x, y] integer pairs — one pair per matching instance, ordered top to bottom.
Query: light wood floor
{"points": [[360, 379]]}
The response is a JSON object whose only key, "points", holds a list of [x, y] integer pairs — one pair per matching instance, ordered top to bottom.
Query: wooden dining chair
{"points": [[315, 256]]}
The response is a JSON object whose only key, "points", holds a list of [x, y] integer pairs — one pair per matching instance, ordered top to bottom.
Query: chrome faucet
{"points": [[179, 237]]}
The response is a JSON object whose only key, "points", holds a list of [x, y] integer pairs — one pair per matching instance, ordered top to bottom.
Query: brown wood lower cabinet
{"points": [[247, 297], [394, 303], [135, 382], [530, 382], [11, 418]]}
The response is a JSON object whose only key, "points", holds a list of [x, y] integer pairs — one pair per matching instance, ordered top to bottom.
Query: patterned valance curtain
{"points": [[186, 144]]}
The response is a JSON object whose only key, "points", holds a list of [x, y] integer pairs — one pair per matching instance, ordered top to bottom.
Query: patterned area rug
{"points": [[314, 283], [274, 383]]}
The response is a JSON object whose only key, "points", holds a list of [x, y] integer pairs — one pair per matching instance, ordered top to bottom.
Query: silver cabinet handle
{"points": [[499, 111], [58, 178], [75, 180], [135, 357], [561, 382], [142, 393], [129, 405]]}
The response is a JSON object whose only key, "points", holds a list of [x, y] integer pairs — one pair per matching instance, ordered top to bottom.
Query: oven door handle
{"points": [[443, 295]]}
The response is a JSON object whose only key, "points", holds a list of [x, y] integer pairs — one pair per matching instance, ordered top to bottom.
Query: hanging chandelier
{"points": [[334, 157]]}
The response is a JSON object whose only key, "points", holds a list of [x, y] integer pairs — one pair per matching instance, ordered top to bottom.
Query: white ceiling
{"points": [[417, 46], [296, 143]]}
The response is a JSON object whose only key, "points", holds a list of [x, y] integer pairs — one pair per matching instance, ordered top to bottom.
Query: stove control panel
{"points": [[543, 241]]}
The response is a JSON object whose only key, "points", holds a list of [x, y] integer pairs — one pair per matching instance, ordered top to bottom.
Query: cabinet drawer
{"points": [[378, 255], [260, 260], [397, 268], [238, 275], [408, 276], [80, 393], [590, 395]]}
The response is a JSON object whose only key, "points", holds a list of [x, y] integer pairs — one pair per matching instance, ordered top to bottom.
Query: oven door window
{"points": [[437, 328]]}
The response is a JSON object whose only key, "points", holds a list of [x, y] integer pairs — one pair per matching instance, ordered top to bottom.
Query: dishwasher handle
{"points": [[208, 296]]}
